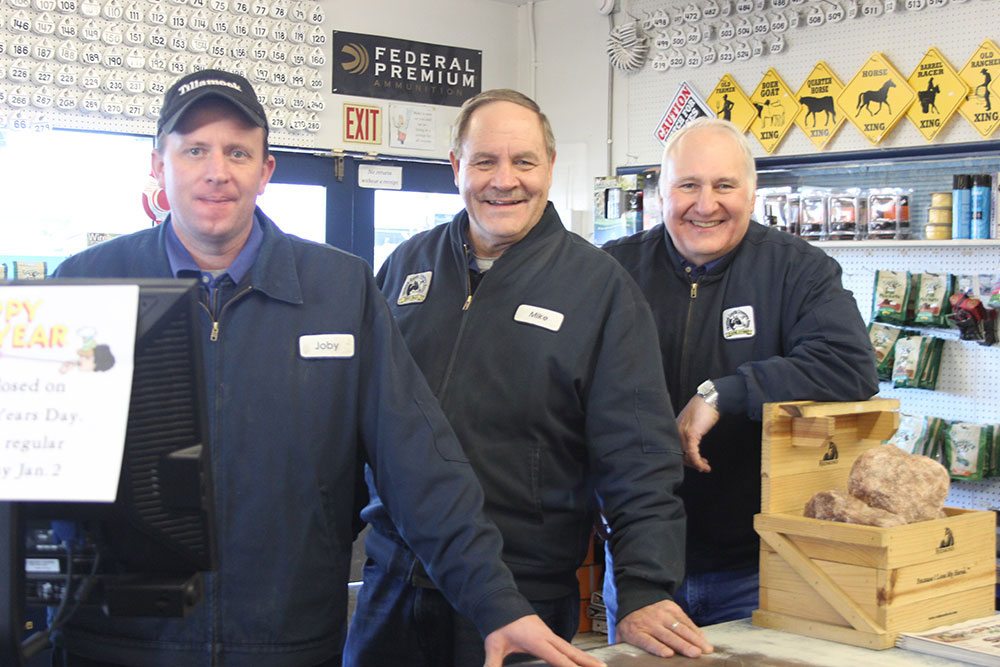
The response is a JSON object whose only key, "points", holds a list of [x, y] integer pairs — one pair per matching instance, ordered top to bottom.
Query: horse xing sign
{"points": [[876, 98], [819, 114]]}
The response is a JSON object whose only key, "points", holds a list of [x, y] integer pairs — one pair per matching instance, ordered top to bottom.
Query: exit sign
{"points": [[362, 124]]}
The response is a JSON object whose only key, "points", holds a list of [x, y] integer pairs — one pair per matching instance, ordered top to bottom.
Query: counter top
{"points": [[738, 643]]}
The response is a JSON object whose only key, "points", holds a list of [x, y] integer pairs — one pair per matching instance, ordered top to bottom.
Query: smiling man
{"points": [[746, 315], [542, 353]]}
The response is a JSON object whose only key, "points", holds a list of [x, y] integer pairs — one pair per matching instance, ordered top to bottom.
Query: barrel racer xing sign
{"points": [[940, 91]]}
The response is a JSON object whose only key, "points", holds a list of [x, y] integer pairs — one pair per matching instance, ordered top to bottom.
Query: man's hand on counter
{"points": [[663, 629], [529, 634]]}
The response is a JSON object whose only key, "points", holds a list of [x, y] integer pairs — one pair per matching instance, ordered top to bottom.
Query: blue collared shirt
{"points": [[183, 265]]}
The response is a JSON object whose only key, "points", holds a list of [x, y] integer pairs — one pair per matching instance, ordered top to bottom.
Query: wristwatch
{"points": [[707, 391]]}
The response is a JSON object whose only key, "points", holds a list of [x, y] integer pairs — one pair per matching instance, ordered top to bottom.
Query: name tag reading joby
{"points": [[540, 317], [320, 346]]}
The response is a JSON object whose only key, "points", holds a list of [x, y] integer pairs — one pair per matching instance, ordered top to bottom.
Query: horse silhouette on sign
{"points": [[928, 97], [865, 98], [818, 104]]}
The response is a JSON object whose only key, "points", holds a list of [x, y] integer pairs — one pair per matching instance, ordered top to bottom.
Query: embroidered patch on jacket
{"points": [[415, 288], [540, 317], [738, 323], [326, 346]]}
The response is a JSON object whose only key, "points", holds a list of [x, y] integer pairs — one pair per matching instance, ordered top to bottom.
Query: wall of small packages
{"points": [[904, 35], [105, 64], [970, 373]]}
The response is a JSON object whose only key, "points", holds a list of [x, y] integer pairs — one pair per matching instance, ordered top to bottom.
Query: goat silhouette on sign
{"points": [[881, 96], [817, 104]]}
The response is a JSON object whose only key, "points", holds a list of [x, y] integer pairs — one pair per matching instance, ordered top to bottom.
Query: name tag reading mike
{"points": [[540, 317], [326, 346]]}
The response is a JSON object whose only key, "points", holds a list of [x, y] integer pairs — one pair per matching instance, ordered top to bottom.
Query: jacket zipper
{"points": [[461, 325], [687, 329], [214, 335]]}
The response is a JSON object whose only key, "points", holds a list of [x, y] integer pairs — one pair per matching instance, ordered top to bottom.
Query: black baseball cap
{"points": [[209, 83]]}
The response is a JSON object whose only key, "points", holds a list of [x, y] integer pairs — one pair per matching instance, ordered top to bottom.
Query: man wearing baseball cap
{"points": [[308, 380]]}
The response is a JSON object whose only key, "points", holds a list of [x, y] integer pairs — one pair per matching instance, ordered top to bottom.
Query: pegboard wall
{"points": [[903, 35], [105, 64], [968, 387]]}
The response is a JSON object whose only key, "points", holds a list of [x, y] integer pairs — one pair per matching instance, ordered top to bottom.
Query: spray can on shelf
{"points": [[961, 206], [980, 207]]}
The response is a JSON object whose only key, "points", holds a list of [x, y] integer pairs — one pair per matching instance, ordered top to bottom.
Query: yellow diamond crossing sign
{"points": [[940, 91], [876, 98], [729, 102], [982, 108], [775, 109], [819, 114]]}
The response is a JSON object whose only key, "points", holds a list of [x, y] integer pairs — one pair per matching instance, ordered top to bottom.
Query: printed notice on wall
{"points": [[411, 126], [66, 358]]}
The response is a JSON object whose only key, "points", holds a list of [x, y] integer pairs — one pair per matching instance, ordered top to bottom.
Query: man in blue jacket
{"points": [[746, 315], [542, 353], [308, 380]]}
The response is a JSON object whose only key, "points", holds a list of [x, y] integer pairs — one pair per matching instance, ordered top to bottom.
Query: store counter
{"points": [[743, 644]]}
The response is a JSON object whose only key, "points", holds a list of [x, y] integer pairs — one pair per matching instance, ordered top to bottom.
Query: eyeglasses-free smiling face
{"points": [[212, 168], [503, 174], [706, 194]]}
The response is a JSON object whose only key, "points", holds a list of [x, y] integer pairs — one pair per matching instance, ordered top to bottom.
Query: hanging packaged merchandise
{"points": [[773, 208], [889, 213], [813, 214], [846, 216], [891, 295], [932, 298], [994, 300], [973, 319], [883, 338], [917, 362], [930, 365], [918, 435], [967, 450]]}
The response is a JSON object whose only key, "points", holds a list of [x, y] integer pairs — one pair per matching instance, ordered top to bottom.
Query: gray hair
{"points": [[706, 122], [461, 126]]}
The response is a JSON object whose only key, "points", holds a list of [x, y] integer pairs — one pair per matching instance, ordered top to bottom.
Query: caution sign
{"points": [[940, 91], [876, 98], [729, 102], [685, 107], [982, 108], [775, 109], [820, 116], [362, 124]]}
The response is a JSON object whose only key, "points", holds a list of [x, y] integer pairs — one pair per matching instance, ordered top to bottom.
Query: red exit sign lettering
{"points": [[362, 124]]}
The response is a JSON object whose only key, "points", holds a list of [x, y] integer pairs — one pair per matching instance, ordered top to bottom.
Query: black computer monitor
{"points": [[157, 536]]}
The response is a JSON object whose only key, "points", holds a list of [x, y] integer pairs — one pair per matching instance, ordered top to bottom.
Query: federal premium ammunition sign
{"points": [[398, 69], [940, 91], [876, 98], [729, 102], [982, 108], [774, 110], [819, 114]]}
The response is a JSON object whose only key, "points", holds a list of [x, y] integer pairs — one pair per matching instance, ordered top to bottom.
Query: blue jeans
{"points": [[707, 597], [397, 623]]}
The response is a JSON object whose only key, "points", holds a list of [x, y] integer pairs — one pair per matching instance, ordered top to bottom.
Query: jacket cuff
{"points": [[732, 391], [629, 602], [500, 608]]}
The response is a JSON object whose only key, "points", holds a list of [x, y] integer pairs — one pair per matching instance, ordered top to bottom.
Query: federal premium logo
{"points": [[358, 59], [397, 69]]}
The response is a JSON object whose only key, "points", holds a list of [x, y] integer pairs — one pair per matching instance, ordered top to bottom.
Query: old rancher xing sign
{"points": [[397, 69]]}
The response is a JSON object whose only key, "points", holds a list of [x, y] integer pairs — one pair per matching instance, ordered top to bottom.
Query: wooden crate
{"points": [[853, 584]]}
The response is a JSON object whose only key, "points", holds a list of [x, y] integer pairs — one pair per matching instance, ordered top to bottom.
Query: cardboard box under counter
{"points": [[859, 585]]}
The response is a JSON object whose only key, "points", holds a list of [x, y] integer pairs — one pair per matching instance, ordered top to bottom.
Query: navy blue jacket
{"points": [[805, 341], [547, 413], [289, 439]]}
